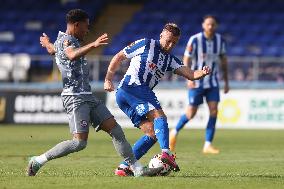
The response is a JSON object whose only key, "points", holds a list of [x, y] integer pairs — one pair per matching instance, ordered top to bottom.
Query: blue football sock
{"points": [[182, 121], [210, 130], [162, 132], [141, 147]]}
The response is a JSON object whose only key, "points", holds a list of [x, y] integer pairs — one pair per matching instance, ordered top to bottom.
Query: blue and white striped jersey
{"points": [[208, 52], [149, 63]]}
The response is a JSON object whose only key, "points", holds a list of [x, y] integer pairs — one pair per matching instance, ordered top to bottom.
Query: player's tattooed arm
{"points": [[44, 41], [74, 53], [187, 59], [187, 62], [224, 67], [112, 68], [189, 74]]}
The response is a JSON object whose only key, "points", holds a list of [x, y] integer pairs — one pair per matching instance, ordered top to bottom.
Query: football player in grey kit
{"points": [[82, 107]]}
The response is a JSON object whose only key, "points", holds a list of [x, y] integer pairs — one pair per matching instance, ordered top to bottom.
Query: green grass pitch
{"points": [[250, 159]]}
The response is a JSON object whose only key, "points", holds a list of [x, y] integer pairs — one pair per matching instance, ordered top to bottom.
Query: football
{"points": [[156, 162]]}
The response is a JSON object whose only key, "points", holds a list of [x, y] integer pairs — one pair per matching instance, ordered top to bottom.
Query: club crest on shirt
{"points": [[66, 43], [83, 123]]}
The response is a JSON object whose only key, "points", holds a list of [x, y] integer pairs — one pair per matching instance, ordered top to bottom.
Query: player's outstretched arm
{"points": [[44, 41], [74, 53], [112, 68], [189, 74]]}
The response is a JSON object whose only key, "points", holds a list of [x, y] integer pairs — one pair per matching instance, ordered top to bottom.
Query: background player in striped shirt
{"points": [[205, 48], [150, 60]]}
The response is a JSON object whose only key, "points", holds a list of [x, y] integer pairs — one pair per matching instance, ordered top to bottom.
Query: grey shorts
{"points": [[83, 111]]}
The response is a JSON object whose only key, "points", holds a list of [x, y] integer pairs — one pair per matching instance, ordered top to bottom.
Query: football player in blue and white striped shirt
{"points": [[205, 48], [150, 60]]}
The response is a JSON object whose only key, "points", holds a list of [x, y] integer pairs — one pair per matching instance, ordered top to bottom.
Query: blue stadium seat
{"points": [[51, 13], [244, 25], [249, 29], [237, 51], [271, 51], [47, 64]]}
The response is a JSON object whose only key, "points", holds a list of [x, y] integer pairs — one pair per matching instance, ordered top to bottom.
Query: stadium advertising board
{"points": [[32, 107], [38, 107], [251, 109]]}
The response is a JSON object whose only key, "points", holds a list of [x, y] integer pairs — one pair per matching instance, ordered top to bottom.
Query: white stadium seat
{"points": [[22, 63], [6, 65]]}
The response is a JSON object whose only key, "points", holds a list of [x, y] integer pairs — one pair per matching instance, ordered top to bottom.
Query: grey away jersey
{"points": [[75, 74]]}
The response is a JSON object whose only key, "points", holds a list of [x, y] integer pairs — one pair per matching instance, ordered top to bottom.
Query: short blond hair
{"points": [[173, 28]]}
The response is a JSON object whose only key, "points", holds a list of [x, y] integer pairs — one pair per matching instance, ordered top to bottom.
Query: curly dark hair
{"points": [[76, 15]]}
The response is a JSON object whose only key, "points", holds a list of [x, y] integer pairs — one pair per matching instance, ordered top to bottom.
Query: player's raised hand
{"points": [[44, 40], [101, 40], [206, 70], [108, 86]]}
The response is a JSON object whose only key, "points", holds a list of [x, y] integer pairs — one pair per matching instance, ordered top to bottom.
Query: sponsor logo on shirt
{"points": [[66, 43]]}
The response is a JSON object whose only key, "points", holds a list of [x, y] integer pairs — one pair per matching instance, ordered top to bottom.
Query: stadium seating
{"points": [[21, 23], [242, 24], [251, 28]]}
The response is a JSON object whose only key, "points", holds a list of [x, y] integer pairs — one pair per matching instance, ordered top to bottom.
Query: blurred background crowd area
{"points": [[254, 32]]}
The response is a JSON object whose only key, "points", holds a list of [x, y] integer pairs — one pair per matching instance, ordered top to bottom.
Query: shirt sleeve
{"points": [[190, 47], [135, 48], [175, 64]]}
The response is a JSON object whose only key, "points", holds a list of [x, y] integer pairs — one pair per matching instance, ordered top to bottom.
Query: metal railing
{"points": [[240, 68], [243, 71]]}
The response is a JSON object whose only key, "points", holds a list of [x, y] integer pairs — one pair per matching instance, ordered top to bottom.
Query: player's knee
{"points": [[213, 113], [190, 114], [148, 129], [151, 133], [79, 145]]}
